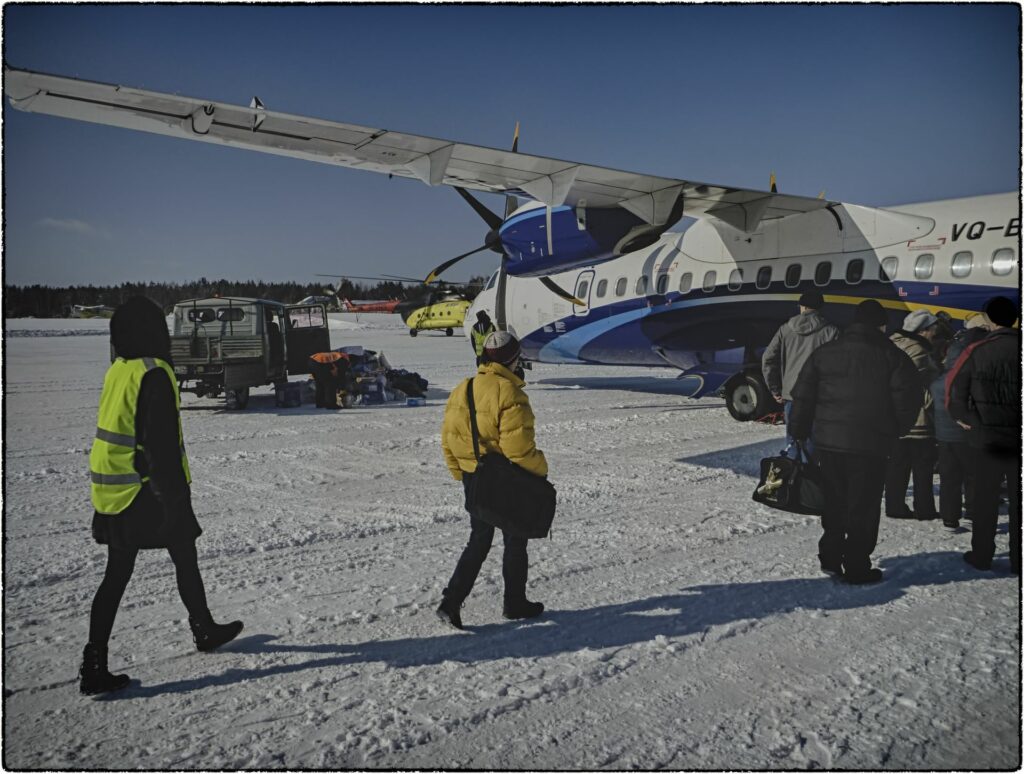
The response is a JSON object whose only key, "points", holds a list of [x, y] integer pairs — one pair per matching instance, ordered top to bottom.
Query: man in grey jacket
{"points": [[791, 347]]}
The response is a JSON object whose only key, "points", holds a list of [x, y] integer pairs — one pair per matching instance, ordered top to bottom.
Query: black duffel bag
{"points": [[791, 484], [506, 495]]}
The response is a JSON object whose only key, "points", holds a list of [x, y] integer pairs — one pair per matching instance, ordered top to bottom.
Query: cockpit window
{"points": [[492, 281]]}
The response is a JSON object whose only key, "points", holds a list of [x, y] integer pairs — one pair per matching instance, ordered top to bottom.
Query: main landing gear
{"points": [[747, 396]]}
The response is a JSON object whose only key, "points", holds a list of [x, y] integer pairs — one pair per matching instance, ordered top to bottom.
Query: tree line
{"points": [[47, 301]]}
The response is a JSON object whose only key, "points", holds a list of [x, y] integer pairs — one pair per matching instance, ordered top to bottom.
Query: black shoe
{"points": [[904, 514], [951, 524], [977, 562], [831, 567], [871, 575], [523, 609], [448, 611], [210, 636], [95, 677]]}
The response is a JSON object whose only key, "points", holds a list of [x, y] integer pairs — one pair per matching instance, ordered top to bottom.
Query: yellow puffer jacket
{"points": [[504, 419]]}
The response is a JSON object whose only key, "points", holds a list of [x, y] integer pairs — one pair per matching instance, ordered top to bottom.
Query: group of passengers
{"points": [[873, 411]]}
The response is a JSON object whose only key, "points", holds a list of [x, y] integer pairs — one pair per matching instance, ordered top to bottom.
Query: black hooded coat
{"points": [[161, 513]]}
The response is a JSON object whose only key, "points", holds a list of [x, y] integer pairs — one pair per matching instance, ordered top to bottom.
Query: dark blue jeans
{"points": [[787, 409], [513, 566]]}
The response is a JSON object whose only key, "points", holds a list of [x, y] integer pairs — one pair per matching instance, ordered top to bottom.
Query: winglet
{"points": [[515, 139], [774, 188]]}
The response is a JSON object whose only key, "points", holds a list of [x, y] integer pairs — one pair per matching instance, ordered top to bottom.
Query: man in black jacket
{"points": [[983, 392], [860, 393]]}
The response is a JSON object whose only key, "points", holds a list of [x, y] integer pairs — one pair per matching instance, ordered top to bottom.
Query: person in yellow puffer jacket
{"points": [[506, 425]]}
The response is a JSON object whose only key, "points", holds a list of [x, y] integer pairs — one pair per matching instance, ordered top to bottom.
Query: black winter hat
{"points": [[812, 299], [1001, 310], [870, 312], [138, 328]]}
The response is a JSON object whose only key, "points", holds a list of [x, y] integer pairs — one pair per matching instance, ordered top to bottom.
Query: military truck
{"points": [[228, 345]]}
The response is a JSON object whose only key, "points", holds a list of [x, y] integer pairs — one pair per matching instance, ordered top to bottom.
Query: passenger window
{"points": [[1003, 261], [962, 264], [923, 266], [887, 269], [855, 271], [823, 273], [793, 275], [764, 277], [736, 279], [709, 281], [685, 282], [641, 285], [662, 285], [620, 287], [602, 288], [582, 292], [230, 314], [201, 315]]}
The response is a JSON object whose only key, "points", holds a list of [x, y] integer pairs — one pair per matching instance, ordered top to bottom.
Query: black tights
{"points": [[120, 564]]}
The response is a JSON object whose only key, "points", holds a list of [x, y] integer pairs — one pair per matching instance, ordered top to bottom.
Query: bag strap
{"points": [[472, 419]]}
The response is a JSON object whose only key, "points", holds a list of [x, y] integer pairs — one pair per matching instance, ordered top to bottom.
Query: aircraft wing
{"points": [[433, 161]]}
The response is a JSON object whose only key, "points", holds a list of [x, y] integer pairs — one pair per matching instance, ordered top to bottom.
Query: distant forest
{"points": [[46, 301]]}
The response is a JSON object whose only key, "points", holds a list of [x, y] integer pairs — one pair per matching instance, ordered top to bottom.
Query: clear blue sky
{"points": [[877, 105]]}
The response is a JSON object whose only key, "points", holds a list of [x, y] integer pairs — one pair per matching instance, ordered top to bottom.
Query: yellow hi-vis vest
{"points": [[479, 337], [115, 481]]}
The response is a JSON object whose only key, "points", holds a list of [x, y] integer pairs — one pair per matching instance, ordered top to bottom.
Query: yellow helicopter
{"points": [[441, 308]]}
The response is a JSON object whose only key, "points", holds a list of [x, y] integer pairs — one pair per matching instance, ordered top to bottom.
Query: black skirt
{"points": [[141, 525]]}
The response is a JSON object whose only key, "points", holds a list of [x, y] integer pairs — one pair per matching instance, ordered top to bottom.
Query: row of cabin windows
{"points": [[1003, 261]]}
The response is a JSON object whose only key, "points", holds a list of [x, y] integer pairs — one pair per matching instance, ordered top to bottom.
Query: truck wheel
{"points": [[413, 332], [449, 332], [747, 397], [237, 399]]}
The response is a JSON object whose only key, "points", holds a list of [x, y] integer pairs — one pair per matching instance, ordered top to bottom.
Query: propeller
{"points": [[493, 242]]}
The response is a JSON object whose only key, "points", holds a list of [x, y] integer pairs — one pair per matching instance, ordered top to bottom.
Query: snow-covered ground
{"points": [[687, 627]]}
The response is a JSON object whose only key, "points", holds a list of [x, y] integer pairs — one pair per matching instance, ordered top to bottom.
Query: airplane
{"points": [[664, 271], [79, 310]]}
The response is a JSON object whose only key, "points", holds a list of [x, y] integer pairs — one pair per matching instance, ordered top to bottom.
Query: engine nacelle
{"points": [[540, 241]]}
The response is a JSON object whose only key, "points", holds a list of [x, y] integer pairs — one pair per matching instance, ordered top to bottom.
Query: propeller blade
{"points": [[490, 218], [448, 264], [554, 288]]}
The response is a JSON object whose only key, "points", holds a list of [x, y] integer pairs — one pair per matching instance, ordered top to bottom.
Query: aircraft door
{"points": [[584, 283], [307, 333]]}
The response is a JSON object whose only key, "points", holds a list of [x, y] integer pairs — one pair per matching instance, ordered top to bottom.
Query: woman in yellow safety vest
{"points": [[140, 485]]}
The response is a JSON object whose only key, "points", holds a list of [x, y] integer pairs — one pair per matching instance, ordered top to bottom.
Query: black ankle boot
{"points": [[523, 608], [449, 612], [209, 635], [96, 678]]}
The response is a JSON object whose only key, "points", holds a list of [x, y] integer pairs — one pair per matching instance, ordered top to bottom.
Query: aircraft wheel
{"points": [[413, 332], [449, 332], [747, 397], [237, 399]]}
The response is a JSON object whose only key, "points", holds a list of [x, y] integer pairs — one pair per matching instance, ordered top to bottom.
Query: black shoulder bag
{"points": [[791, 484], [505, 494]]}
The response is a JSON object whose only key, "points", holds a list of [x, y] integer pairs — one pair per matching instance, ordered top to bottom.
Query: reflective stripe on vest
{"points": [[115, 481]]}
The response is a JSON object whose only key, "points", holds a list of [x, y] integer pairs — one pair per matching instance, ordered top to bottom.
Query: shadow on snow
{"points": [[692, 611]]}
